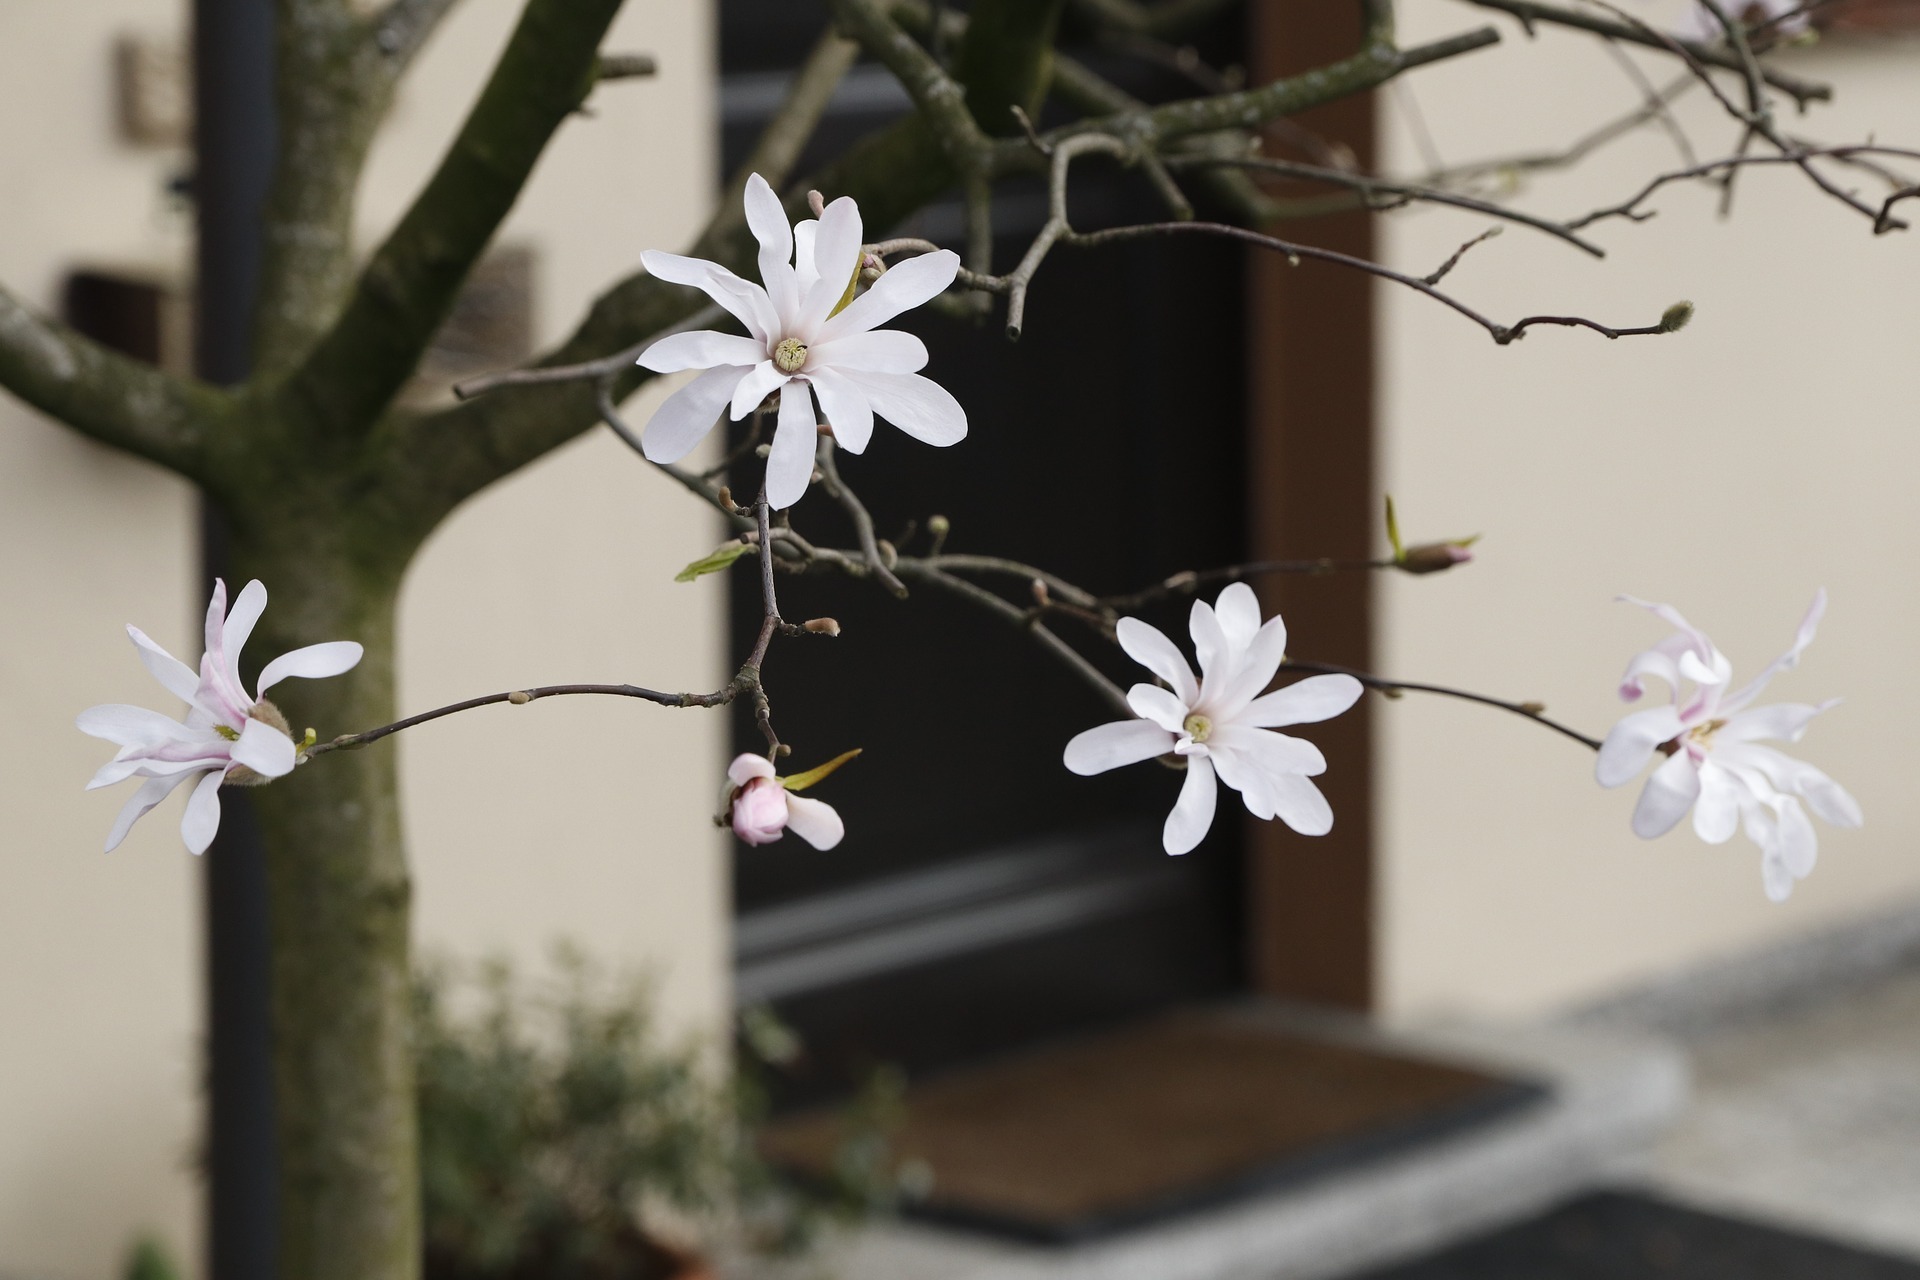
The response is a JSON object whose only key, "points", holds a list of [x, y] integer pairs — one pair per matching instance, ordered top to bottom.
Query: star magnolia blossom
{"points": [[807, 341], [1220, 723], [228, 736], [1715, 765], [762, 809]]}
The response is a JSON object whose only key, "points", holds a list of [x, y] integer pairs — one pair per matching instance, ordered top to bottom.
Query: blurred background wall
{"points": [[1730, 470], [581, 818]]}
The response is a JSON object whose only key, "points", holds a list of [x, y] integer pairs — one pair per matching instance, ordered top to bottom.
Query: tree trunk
{"points": [[339, 900]]}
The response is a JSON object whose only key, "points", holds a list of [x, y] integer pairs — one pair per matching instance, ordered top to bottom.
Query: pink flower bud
{"points": [[760, 811]]}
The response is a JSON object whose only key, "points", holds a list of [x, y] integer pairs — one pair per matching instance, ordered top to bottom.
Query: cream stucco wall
{"points": [[1731, 469], [582, 819]]}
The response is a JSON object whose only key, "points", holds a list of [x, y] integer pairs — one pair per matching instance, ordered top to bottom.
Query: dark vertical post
{"points": [[233, 54], [1311, 466]]}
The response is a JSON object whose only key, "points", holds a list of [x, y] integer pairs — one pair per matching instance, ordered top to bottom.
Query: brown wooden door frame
{"points": [[1313, 492]]}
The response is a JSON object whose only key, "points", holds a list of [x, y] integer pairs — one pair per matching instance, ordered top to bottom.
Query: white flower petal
{"points": [[768, 222], [836, 253], [805, 273], [902, 288], [745, 301], [701, 349], [882, 351], [755, 386], [918, 406], [845, 408], [684, 418], [790, 462], [1239, 612], [238, 628], [1149, 646], [313, 662], [1218, 662], [1256, 665], [175, 676], [1306, 701], [1151, 702], [1783, 720], [129, 726], [1630, 744], [1109, 746], [265, 750], [1271, 753], [747, 766], [151, 793], [1669, 793], [1299, 804], [1193, 811], [1716, 814], [814, 821], [201, 822], [1799, 843]]}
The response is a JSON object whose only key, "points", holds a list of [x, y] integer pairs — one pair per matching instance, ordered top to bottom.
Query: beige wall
{"points": [[1731, 469], [526, 825]]}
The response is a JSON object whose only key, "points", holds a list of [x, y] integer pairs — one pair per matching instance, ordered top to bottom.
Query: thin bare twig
{"points": [[1528, 710]]}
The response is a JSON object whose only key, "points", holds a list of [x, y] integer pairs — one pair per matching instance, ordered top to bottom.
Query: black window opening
{"points": [[985, 898]]}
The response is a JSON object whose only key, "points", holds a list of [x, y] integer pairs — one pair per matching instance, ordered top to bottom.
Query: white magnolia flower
{"points": [[807, 340], [1220, 723], [228, 735], [1715, 764], [761, 808]]}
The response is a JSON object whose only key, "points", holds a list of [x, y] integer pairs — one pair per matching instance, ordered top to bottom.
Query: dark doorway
{"points": [[985, 897]]}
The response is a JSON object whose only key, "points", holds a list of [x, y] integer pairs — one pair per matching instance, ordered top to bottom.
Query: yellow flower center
{"points": [[790, 355], [1198, 727], [1703, 733]]}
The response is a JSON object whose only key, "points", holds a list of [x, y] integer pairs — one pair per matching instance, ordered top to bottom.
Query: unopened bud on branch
{"points": [[1675, 317], [1434, 557], [821, 626], [519, 697]]}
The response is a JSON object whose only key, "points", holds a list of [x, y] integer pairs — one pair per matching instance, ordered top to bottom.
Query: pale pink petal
{"points": [[768, 222], [836, 252], [902, 288], [745, 301], [701, 349], [882, 351], [755, 386], [918, 406], [845, 408], [684, 418], [790, 462], [216, 619], [1809, 624], [238, 628], [1149, 646], [314, 662], [175, 676], [1306, 701], [1151, 702], [1786, 721], [1630, 744], [1109, 746], [265, 750], [747, 766], [151, 793], [1669, 793], [1193, 811], [814, 821], [201, 822]]}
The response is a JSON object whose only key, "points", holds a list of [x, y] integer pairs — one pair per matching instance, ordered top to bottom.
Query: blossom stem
{"points": [[1529, 710]]}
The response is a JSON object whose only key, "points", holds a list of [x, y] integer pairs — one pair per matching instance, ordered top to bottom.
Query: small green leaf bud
{"points": [[1675, 317]]}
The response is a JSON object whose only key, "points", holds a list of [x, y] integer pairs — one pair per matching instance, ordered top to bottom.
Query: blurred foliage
{"points": [[558, 1133], [149, 1260]]}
